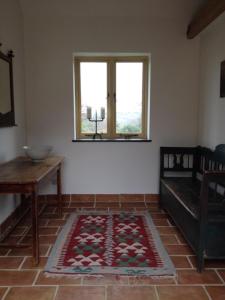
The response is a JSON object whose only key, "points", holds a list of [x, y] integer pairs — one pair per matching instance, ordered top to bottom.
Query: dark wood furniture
{"points": [[7, 113], [22, 176], [192, 182]]}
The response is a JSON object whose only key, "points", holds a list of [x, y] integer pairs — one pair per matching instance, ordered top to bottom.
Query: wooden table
{"points": [[22, 176]]}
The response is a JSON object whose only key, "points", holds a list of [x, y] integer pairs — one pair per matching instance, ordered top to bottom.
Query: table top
{"points": [[22, 170]]}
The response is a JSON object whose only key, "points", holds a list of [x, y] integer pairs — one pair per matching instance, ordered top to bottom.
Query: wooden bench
{"points": [[192, 182]]}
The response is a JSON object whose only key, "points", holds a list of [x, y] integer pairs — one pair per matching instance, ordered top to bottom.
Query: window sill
{"points": [[112, 140]]}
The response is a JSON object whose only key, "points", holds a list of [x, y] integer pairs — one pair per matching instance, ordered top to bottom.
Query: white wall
{"points": [[53, 32], [212, 107], [12, 139]]}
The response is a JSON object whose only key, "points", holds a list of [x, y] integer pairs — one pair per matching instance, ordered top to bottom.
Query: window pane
{"points": [[93, 76], [129, 97]]}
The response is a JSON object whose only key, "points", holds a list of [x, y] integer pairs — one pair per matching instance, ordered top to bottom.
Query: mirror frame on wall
{"points": [[8, 119]]}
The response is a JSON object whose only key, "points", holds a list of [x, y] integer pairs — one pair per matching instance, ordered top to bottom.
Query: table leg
{"points": [[59, 192], [35, 234]]}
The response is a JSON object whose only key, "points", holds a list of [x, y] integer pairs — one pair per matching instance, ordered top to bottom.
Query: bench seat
{"points": [[187, 192]]}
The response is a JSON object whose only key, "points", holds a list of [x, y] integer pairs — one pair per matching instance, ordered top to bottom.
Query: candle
{"points": [[89, 113], [102, 113]]}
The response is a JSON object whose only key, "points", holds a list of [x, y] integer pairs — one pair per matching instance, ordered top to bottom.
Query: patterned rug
{"points": [[98, 243]]}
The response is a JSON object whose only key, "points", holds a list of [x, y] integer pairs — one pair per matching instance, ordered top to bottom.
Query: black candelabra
{"points": [[96, 120]]}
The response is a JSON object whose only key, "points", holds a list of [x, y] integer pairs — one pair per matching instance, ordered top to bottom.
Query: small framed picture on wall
{"points": [[222, 79]]}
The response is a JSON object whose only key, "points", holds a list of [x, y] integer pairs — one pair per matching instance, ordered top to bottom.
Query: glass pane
{"points": [[93, 76], [129, 97]]}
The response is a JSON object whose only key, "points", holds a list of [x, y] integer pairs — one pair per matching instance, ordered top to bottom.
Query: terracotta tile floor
{"points": [[20, 280]]}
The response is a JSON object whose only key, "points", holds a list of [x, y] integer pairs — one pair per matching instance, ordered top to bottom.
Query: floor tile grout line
{"points": [[169, 223], [25, 233], [178, 240], [48, 251], [7, 253], [3, 256], [190, 262], [21, 264], [216, 268], [28, 269], [17, 270], [218, 274], [36, 277], [176, 279], [215, 284], [119, 285], [171, 285], [106, 291], [56, 292], [156, 292], [6, 293], [207, 293]]}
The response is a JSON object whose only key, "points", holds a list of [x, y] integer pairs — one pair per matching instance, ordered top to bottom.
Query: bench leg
{"points": [[160, 197], [200, 262]]}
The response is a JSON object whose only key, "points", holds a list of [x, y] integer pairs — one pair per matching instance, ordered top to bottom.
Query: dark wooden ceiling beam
{"points": [[206, 15]]}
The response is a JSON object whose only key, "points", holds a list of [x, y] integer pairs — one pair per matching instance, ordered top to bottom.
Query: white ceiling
{"points": [[120, 8]]}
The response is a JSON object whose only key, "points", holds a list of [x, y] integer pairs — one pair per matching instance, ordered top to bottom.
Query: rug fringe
{"points": [[74, 276], [100, 276]]}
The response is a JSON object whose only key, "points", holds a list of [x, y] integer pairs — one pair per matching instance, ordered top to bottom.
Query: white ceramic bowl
{"points": [[37, 153]]}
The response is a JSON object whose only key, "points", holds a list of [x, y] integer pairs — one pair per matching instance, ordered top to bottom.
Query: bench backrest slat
{"points": [[177, 159], [191, 159]]}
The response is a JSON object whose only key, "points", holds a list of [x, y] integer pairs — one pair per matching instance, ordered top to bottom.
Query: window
{"points": [[114, 89]]}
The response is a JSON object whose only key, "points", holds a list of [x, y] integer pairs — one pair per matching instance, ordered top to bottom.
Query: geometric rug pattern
{"points": [[98, 243]]}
